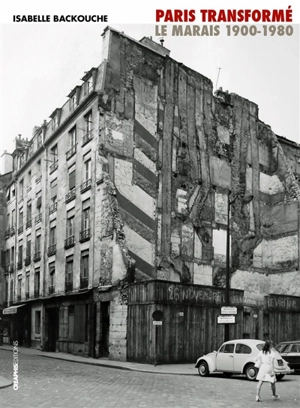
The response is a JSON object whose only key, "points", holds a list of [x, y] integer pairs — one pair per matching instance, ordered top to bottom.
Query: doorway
{"points": [[52, 315], [104, 340]]}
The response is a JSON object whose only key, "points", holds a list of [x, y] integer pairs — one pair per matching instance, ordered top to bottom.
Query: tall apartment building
{"points": [[130, 182]]}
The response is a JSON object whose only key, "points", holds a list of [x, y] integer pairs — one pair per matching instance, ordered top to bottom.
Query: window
{"points": [[88, 86], [73, 102], [87, 128], [72, 138], [39, 140], [53, 159], [87, 169], [72, 179], [21, 189], [53, 193], [39, 202], [28, 212], [13, 218], [85, 219], [70, 227], [20, 229], [52, 235], [38, 243], [37, 248], [28, 250], [12, 255], [20, 256], [7, 257], [85, 263], [84, 269], [69, 273], [51, 278], [37, 282], [27, 285], [19, 288], [11, 290], [37, 320], [227, 348], [242, 349]]}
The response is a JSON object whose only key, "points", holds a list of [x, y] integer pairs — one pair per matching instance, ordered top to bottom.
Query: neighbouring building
{"points": [[118, 207]]}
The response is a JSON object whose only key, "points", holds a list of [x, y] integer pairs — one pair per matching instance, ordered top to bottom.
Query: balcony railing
{"points": [[86, 138], [71, 152], [53, 166], [38, 179], [86, 185], [71, 195], [53, 208], [38, 218], [28, 223], [20, 229], [85, 235], [70, 242], [52, 250], [37, 256], [27, 260], [19, 265], [84, 282], [69, 286], [51, 290], [36, 293], [26, 295]]}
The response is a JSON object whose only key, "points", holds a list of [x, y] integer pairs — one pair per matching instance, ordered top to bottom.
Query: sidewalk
{"points": [[175, 369]]}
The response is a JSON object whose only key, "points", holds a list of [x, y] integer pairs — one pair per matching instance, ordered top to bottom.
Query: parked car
{"points": [[290, 351], [238, 357]]}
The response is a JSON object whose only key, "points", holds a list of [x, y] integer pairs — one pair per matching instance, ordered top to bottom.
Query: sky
{"points": [[42, 63]]}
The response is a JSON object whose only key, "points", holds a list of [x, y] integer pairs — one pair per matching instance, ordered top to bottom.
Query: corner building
{"points": [[119, 208]]}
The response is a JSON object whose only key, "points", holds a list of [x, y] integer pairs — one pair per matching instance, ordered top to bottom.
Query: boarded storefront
{"points": [[282, 318], [188, 323]]}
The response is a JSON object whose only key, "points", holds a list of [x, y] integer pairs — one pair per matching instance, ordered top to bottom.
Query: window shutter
{"points": [[72, 180]]}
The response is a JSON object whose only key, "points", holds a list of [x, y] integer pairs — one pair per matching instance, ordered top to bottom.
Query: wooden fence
{"points": [[189, 325]]}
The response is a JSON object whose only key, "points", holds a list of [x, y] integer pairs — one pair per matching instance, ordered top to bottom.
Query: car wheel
{"points": [[203, 369], [251, 372], [279, 377]]}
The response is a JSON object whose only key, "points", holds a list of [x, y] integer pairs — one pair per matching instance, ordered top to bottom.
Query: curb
{"points": [[4, 383]]}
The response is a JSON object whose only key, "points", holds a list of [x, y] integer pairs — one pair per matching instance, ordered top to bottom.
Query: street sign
{"points": [[228, 310], [226, 319], [157, 323]]}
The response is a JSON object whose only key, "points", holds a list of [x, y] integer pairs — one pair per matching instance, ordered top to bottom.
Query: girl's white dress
{"points": [[266, 368]]}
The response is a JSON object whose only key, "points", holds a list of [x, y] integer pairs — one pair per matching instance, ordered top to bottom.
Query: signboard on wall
{"points": [[226, 319]]}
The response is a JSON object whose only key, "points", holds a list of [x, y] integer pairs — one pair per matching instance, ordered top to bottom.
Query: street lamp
{"points": [[246, 200]]}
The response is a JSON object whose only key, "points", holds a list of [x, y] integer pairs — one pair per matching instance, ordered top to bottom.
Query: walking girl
{"points": [[266, 369]]}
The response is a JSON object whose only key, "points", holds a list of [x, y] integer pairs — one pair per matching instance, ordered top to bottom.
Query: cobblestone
{"points": [[49, 383]]}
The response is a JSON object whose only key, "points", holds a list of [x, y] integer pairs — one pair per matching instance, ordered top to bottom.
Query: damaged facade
{"points": [[129, 183]]}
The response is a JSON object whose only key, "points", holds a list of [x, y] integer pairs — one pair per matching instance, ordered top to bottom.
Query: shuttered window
{"points": [[72, 180]]}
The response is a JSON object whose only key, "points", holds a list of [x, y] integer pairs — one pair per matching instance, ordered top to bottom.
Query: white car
{"points": [[238, 357]]}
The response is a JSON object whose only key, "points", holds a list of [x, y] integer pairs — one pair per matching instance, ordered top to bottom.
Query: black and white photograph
{"points": [[150, 205]]}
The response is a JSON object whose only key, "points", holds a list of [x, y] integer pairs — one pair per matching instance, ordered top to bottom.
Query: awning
{"points": [[12, 309]]}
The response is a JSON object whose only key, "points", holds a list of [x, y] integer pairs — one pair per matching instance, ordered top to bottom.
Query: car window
{"points": [[260, 346], [227, 348], [284, 348], [295, 348], [242, 349]]}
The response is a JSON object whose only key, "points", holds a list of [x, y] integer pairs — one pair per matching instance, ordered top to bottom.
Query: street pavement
{"points": [[59, 382]]}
